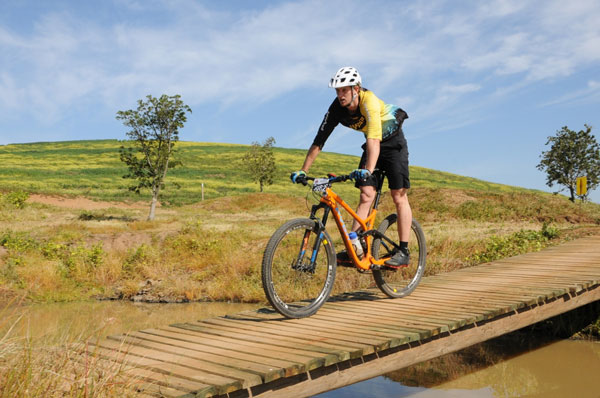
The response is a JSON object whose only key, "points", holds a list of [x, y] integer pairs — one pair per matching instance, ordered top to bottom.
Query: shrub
{"points": [[15, 199], [18, 241], [517, 243], [135, 259], [79, 260]]}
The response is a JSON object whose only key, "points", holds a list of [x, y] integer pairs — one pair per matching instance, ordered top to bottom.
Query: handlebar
{"points": [[331, 177]]}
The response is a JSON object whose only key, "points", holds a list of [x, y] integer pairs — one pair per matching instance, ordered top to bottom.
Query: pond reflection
{"points": [[566, 368]]}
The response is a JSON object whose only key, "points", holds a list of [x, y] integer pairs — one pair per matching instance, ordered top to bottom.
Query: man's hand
{"points": [[360, 174], [298, 177]]}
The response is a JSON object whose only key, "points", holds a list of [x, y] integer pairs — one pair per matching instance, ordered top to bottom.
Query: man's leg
{"points": [[367, 195], [404, 212], [404, 224]]}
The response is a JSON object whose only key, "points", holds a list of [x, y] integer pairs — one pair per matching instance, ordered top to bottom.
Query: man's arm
{"points": [[373, 147], [313, 151]]}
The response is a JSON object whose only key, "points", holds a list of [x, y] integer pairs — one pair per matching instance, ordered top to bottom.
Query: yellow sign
{"points": [[581, 186]]}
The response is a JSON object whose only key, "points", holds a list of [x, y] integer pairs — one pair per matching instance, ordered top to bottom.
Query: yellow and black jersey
{"points": [[374, 118]]}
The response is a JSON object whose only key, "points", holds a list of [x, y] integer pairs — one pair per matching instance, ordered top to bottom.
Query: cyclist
{"points": [[385, 148]]}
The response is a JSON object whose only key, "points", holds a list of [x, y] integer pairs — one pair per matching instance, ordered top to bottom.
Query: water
{"points": [[61, 322], [563, 369]]}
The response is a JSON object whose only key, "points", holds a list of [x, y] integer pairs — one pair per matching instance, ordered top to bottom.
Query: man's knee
{"points": [[367, 194], [399, 196]]}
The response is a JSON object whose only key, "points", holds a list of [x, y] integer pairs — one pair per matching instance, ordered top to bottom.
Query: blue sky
{"points": [[484, 83]]}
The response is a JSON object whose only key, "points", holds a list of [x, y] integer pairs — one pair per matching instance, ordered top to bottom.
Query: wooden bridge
{"points": [[356, 336]]}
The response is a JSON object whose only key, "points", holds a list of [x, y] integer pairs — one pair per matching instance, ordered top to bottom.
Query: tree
{"points": [[154, 131], [572, 155], [260, 162]]}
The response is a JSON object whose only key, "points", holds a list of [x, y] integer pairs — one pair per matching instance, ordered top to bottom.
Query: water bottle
{"points": [[358, 249]]}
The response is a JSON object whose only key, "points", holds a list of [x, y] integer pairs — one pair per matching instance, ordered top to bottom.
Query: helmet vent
{"points": [[346, 76]]}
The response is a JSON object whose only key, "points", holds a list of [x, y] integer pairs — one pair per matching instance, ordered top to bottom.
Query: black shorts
{"points": [[393, 159]]}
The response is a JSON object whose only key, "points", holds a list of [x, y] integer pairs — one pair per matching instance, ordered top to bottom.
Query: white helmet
{"points": [[346, 76]]}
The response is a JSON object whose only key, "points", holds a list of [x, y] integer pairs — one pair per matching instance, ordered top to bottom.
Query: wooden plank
{"points": [[532, 272], [554, 284], [498, 287], [499, 290], [528, 293], [490, 299], [460, 300], [410, 303], [394, 309], [387, 316], [414, 323], [290, 327], [340, 329], [345, 331], [257, 336], [317, 338], [146, 347], [318, 356], [150, 358], [306, 358], [399, 358], [89, 367], [290, 367], [162, 377], [142, 387]]}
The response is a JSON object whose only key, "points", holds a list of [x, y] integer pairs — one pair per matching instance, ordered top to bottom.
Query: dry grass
{"points": [[213, 250], [206, 251], [53, 367]]}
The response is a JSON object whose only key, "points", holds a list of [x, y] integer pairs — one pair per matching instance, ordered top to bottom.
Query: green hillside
{"points": [[93, 169], [212, 249]]}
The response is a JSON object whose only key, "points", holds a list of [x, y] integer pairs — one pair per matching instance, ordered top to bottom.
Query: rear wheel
{"points": [[298, 268], [399, 281]]}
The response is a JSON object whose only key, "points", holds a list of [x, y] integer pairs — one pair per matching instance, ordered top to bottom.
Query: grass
{"points": [[93, 169], [211, 249], [56, 366]]}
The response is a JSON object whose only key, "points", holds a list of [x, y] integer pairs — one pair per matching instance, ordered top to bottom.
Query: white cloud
{"points": [[423, 50], [588, 94]]}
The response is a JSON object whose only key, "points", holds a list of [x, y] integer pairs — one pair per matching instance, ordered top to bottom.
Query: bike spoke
{"points": [[298, 269], [401, 280]]}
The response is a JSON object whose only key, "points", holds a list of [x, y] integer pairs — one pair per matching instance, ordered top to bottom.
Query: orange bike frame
{"points": [[331, 200]]}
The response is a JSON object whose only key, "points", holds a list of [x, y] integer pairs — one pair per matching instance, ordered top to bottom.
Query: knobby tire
{"points": [[399, 281], [298, 282]]}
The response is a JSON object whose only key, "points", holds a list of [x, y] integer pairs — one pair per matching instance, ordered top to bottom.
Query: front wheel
{"points": [[298, 268], [399, 281]]}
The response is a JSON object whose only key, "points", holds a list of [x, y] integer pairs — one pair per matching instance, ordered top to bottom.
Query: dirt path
{"points": [[84, 203]]}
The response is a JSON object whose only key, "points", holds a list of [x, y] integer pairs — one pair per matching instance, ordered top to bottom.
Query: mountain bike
{"points": [[299, 263]]}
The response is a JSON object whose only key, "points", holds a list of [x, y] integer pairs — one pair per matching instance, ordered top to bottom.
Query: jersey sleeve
{"points": [[371, 108], [330, 120]]}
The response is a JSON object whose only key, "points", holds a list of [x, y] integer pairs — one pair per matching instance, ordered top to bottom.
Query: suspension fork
{"points": [[320, 236]]}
